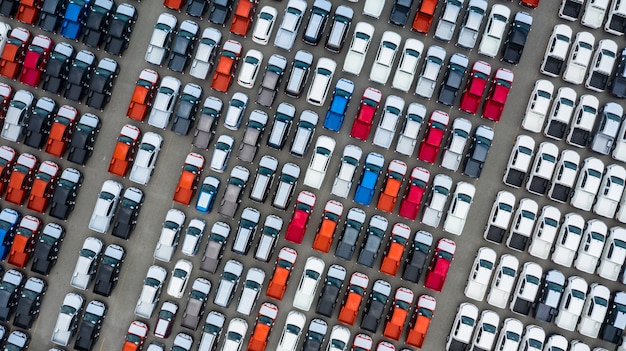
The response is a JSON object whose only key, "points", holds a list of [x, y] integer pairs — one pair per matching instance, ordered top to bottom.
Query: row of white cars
{"points": [[595, 12]]}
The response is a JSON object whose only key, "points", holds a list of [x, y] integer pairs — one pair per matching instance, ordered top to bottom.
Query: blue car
{"points": [[74, 18], [338, 106], [367, 184], [208, 192], [8, 222]]}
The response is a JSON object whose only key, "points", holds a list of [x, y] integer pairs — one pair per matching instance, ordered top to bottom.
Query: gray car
{"points": [[205, 128], [606, 128], [347, 243], [371, 245], [215, 247], [416, 260], [330, 291], [196, 303], [547, 305], [375, 307]]}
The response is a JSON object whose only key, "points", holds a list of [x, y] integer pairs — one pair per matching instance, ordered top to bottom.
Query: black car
{"points": [[8, 8], [197, 8], [220, 10], [400, 12], [50, 15], [97, 22], [317, 22], [118, 34], [516, 38], [183, 46], [58, 65], [78, 76], [452, 80], [101, 83], [617, 85], [186, 111], [39, 122], [83, 138], [477, 154], [64, 194], [127, 213], [347, 244], [370, 246], [47, 248], [417, 257], [109, 270], [9, 292], [330, 292], [549, 297], [28, 303], [375, 307], [90, 326], [613, 327], [314, 337]]}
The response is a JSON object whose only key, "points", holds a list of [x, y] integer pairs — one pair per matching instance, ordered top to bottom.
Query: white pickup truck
{"points": [[595, 10], [448, 20], [471, 24], [494, 30], [363, 33], [411, 52], [205, 54], [579, 58], [430, 71], [394, 105], [414, 119], [461, 129], [349, 163], [588, 184], [433, 211], [168, 240], [88, 257], [480, 275], [501, 287], [151, 291], [67, 321], [212, 329]]}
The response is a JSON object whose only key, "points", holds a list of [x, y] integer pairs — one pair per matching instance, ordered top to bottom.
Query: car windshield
{"points": [[146, 147], [106, 195], [505, 207], [170, 225], [574, 230], [193, 231], [87, 253], [445, 255], [109, 261], [284, 264], [485, 264], [508, 271], [179, 273], [312, 274], [532, 279], [555, 287], [578, 294], [65, 309], [166, 315], [91, 318], [467, 321], [489, 328], [293, 329], [233, 336], [512, 336], [338, 344], [535, 344]]}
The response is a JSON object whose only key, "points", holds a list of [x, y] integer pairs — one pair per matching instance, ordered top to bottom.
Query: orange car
{"points": [[175, 5], [28, 11], [424, 16], [242, 19], [14, 52], [226, 66], [142, 95], [61, 130], [124, 150], [7, 159], [395, 177], [21, 179], [188, 181], [43, 186], [330, 219], [24, 241], [395, 249], [284, 263], [352, 300], [399, 312], [264, 323], [418, 328], [136, 336]]}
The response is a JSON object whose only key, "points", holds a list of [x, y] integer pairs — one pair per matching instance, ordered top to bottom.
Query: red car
{"points": [[530, 3], [175, 5], [28, 11], [242, 18], [14, 52], [35, 60], [475, 87], [498, 93], [6, 94], [142, 95], [364, 118], [437, 125], [61, 130], [124, 150], [7, 159], [21, 178], [188, 181], [43, 186], [410, 204], [300, 219], [24, 241], [440, 264], [136, 336]]}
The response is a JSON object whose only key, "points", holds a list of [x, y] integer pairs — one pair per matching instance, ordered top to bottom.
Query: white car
{"points": [[373, 8], [594, 13], [448, 20], [615, 20], [471, 23], [264, 25], [288, 30], [494, 30], [363, 33], [4, 34], [161, 37], [556, 52], [205, 53], [579, 58], [433, 63], [602, 65], [250, 67], [381, 68], [405, 73], [320, 83], [163, 103], [538, 106], [236, 109], [560, 114], [415, 115], [16, 117], [583, 121], [386, 129], [461, 129], [619, 151], [323, 152], [221, 153], [145, 160], [519, 161], [349, 164], [542, 168], [564, 176], [587, 184], [610, 192], [434, 206], [104, 208], [459, 208], [499, 217], [523, 224], [170, 232], [545, 232], [193, 236], [569, 238], [591, 246], [613, 255], [88, 258], [480, 274], [311, 276], [179, 279], [229, 280], [503, 281], [252, 286], [526, 289], [151, 291], [572, 303], [594, 311], [67, 320], [294, 323], [462, 327], [486, 331], [235, 335], [510, 335], [534, 337], [339, 338], [362, 341], [556, 342]]}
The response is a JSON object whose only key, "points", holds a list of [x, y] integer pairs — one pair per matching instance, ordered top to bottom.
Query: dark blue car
{"points": [[74, 18], [8, 222]]}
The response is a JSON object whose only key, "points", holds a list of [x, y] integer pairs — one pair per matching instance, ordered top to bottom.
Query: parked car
{"points": [[219, 12], [320, 12], [424, 16], [242, 17], [96, 22], [447, 22], [471, 24], [264, 25], [288, 29], [494, 30], [117, 36], [516, 38], [361, 39], [160, 40], [206, 51], [556, 52], [385, 56], [579, 58], [35, 60], [601, 65], [226, 66], [250, 67], [300, 68], [404, 75], [272, 77], [427, 79], [452, 79], [617, 84], [475, 87], [498, 95], [163, 104], [339, 104], [538, 105], [392, 112], [185, 114], [560, 114], [16, 117], [414, 118], [583, 121], [362, 124], [437, 127], [205, 128], [305, 128], [606, 128], [61, 131], [83, 139], [124, 151], [478, 151], [146, 157], [542, 168], [316, 171], [189, 177], [369, 177], [564, 177], [588, 184], [43, 185], [234, 189], [610, 191], [413, 194], [437, 198], [105, 206], [459, 208], [127, 213], [300, 218], [523, 222], [246, 230], [545, 232], [193, 236], [568, 240], [371, 245], [47, 246], [346, 246], [591, 246], [214, 249], [416, 259], [87, 262], [440, 264], [109, 270], [282, 270], [480, 273], [311, 276], [503, 283], [10, 289], [526, 289], [549, 297], [352, 300], [29, 302], [572, 303], [594, 310], [67, 320], [165, 322], [264, 323], [294, 324], [90, 325], [463, 327], [486, 329], [611, 329], [212, 330], [235, 332], [136, 335]]}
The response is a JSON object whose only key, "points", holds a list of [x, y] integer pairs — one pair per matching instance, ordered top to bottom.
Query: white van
{"points": [[320, 84], [304, 133]]}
